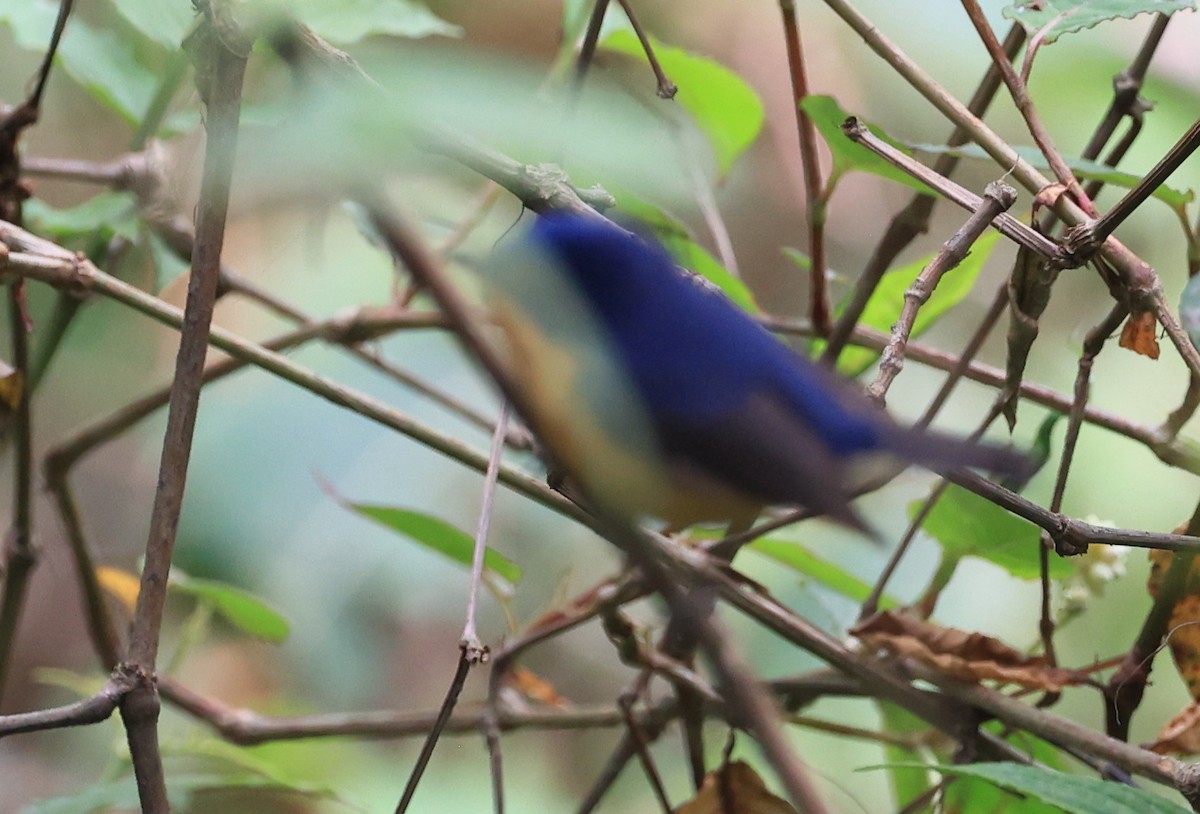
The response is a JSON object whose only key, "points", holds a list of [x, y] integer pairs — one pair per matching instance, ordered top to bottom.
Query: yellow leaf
{"points": [[121, 584]]}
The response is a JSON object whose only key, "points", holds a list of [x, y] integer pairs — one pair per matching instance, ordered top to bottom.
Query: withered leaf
{"points": [[1140, 334], [1184, 625], [961, 654], [532, 686], [1181, 734], [735, 789]]}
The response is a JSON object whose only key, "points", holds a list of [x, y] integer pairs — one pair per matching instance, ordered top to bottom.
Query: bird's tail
{"points": [[940, 452]]}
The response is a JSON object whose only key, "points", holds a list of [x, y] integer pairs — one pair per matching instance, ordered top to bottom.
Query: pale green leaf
{"points": [[1069, 16], [164, 21], [348, 21], [723, 106], [827, 116], [1174, 197], [883, 309], [968, 525], [440, 536], [821, 571], [240, 608], [1073, 794]]}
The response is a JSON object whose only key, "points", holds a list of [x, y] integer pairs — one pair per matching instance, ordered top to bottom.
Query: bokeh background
{"points": [[375, 619]]}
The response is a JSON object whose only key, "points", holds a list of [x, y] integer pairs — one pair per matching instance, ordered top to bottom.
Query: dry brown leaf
{"points": [[1048, 195], [1140, 334], [12, 385], [1183, 628], [957, 653], [535, 688], [1181, 734], [735, 789]]}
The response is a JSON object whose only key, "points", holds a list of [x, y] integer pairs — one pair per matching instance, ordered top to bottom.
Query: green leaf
{"points": [[1070, 16], [164, 21], [349, 21], [31, 22], [107, 67], [724, 107], [827, 116], [1173, 197], [115, 213], [677, 239], [168, 266], [885, 304], [968, 525], [440, 536], [822, 571], [243, 610], [896, 720], [1071, 793], [118, 794], [122, 794]]}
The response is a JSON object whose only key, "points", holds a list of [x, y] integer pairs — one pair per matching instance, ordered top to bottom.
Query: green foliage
{"points": [[1070, 16], [350, 21], [166, 22], [722, 105], [827, 116], [1172, 196], [103, 216], [885, 305], [968, 525], [438, 535], [821, 571], [243, 610], [1070, 793]]}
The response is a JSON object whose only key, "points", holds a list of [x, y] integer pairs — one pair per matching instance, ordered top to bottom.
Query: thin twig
{"points": [[220, 72], [665, 87], [1024, 103], [814, 196], [997, 198], [913, 220], [473, 649], [435, 732]]}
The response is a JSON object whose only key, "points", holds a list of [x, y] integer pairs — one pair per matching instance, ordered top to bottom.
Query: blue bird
{"points": [[662, 399]]}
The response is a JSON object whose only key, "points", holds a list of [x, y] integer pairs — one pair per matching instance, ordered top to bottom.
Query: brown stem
{"points": [[220, 72], [814, 195]]}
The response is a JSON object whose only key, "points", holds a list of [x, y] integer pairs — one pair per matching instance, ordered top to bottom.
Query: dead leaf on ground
{"points": [[1140, 334], [1183, 628], [968, 656], [1181, 734], [735, 789]]}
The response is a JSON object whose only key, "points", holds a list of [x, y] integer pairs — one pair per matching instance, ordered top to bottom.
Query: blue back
{"points": [[693, 356]]}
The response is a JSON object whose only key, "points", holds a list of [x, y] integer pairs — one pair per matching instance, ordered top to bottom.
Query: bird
{"points": [[664, 401]]}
